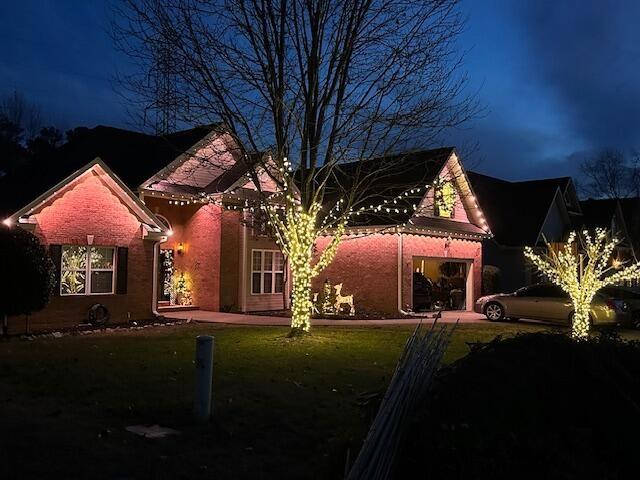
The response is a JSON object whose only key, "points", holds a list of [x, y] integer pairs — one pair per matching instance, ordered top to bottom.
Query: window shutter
{"points": [[55, 252], [121, 274]]}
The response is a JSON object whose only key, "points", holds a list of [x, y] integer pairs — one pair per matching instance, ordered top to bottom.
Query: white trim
{"points": [[180, 159], [149, 222], [400, 262], [243, 263], [154, 288]]}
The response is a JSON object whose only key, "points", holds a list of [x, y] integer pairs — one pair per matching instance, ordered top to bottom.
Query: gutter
{"points": [[400, 272]]}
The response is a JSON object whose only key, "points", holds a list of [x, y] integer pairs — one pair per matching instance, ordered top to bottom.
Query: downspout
{"points": [[243, 263], [400, 273], [154, 299]]}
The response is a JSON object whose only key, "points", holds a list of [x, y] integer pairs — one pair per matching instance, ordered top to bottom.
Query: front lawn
{"points": [[284, 408]]}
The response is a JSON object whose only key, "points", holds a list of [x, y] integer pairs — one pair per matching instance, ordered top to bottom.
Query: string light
{"points": [[296, 227], [566, 269]]}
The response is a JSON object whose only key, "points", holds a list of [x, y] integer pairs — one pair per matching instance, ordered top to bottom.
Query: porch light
{"points": [[180, 248]]}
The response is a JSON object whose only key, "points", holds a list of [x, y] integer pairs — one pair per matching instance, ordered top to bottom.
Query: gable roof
{"points": [[133, 156], [401, 172], [393, 188], [516, 210], [152, 225]]}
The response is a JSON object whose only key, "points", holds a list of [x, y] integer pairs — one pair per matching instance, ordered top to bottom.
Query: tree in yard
{"points": [[304, 87], [44, 144], [611, 174], [567, 269], [28, 274]]}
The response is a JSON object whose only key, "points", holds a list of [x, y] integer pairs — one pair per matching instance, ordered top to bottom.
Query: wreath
{"points": [[445, 198]]}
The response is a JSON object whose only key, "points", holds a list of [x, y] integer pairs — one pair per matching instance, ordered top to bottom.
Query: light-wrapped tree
{"points": [[582, 267]]}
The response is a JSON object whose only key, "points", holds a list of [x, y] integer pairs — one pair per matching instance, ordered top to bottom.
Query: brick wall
{"points": [[89, 207], [198, 228], [368, 267]]}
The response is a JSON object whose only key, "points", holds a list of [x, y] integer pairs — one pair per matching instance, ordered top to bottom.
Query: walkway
{"points": [[205, 316]]}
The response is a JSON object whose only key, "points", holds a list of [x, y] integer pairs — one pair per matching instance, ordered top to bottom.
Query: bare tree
{"points": [[304, 86], [20, 112], [611, 174]]}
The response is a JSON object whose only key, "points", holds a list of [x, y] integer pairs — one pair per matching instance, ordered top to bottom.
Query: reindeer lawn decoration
{"points": [[343, 300]]}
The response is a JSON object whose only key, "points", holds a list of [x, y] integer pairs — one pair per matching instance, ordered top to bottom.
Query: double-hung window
{"points": [[87, 270], [267, 271]]}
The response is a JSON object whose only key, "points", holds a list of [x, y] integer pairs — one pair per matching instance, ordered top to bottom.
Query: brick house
{"points": [[160, 223]]}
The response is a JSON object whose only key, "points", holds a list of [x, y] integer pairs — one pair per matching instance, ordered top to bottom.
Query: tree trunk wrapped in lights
{"points": [[296, 235], [567, 269]]}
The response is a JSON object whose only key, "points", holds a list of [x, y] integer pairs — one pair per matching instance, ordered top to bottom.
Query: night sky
{"points": [[558, 79]]}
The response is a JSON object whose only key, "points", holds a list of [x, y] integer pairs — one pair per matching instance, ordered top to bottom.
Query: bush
{"points": [[27, 276], [490, 280], [534, 406]]}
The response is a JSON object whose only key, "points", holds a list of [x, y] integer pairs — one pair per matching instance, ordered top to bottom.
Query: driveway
{"points": [[205, 316]]}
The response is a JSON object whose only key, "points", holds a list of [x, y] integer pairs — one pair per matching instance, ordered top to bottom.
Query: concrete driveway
{"points": [[205, 316]]}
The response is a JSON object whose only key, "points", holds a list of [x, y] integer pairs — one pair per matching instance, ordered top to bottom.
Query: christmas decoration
{"points": [[566, 268]]}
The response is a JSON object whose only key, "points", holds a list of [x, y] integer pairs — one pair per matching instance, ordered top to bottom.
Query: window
{"points": [[86, 270], [267, 271], [542, 290]]}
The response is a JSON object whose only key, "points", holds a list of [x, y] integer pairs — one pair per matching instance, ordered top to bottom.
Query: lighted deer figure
{"points": [[343, 300], [314, 304]]}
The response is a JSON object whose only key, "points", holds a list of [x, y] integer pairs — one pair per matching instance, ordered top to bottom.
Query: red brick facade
{"points": [[89, 207], [198, 228], [213, 249], [368, 267]]}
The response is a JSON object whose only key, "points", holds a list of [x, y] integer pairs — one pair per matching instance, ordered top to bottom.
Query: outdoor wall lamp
{"points": [[180, 248]]}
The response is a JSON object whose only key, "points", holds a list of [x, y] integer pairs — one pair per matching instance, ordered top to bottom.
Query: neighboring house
{"points": [[527, 213], [523, 214], [610, 214], [160, 222]]}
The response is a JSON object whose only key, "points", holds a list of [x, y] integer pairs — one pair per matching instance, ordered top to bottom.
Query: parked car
{"points": [[630, 295], [548, 302]]}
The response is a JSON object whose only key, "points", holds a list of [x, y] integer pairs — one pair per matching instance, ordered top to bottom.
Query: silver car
{"points": [[544, 301]]}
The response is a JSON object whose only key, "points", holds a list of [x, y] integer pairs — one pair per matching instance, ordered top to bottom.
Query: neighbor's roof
{"points": [[133, 156], [516, 211], [597, 212]]}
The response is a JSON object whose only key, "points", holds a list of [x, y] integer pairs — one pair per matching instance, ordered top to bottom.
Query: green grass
{"points": [[283, 408]]}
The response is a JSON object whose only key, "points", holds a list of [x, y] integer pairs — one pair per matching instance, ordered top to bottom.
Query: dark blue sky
{"points": [[558, 79]]}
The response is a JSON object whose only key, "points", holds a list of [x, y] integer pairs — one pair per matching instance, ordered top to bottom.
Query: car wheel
{"points": [[494, 311]]}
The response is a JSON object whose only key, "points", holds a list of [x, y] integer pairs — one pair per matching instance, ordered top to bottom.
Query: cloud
{"points": [[587, 53]]}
